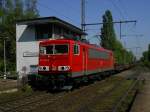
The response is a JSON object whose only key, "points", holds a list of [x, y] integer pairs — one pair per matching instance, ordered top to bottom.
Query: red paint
{"points": [[77, 63]]}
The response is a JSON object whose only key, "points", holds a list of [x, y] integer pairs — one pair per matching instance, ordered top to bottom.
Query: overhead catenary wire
{"points": [[117, 8], [124, 9], [120, 12]]}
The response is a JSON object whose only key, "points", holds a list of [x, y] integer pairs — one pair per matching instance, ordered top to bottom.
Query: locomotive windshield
{"points": [[54, 49]]}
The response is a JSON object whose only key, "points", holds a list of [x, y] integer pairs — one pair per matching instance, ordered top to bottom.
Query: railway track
{"points": [[35, 101], [30, 102], [109, 105]]}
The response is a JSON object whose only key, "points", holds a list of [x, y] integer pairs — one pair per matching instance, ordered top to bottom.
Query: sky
{"points": [[137, 35]]}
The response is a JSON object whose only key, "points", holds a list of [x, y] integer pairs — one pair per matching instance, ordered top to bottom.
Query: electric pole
{"points": [[2, 2], [83, 15], [136, 36], [4, 54], [4, 59]]}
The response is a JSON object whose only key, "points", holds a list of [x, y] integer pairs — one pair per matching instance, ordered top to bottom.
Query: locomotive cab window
{"points": [[46, 49], [54, 49], [61, 49], [76, 49]]}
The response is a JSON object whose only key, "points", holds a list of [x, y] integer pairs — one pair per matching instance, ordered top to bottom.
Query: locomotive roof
{"points": [[53, 20], [80, 42]]}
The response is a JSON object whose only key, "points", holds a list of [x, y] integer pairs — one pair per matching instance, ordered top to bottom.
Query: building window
{"points": [[57, 30], [43, 31]]}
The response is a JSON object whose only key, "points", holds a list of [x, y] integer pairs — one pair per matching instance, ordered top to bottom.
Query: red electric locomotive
{"points": [[63, 61]]}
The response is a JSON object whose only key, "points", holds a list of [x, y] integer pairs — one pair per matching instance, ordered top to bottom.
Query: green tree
{"points": [[31, 10], [11, 11], [108, 37], [109, 40], [148, 53], [146, 57]]}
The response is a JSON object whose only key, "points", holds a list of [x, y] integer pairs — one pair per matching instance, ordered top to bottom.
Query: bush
{"points": [[146, 63], [23, 85], [26, 88]]}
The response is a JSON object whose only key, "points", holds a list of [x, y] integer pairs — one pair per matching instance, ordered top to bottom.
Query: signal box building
{"points": [[30, 32]]}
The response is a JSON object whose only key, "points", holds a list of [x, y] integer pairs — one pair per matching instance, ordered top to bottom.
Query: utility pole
{"points": [[2, 2], [83, 15], [136, 36], [137, 39], [136, 49], [4, 54], [4, 59]]}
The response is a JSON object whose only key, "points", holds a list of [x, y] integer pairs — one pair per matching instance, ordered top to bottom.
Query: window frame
{"points": [[54, 48], [78, 49]]}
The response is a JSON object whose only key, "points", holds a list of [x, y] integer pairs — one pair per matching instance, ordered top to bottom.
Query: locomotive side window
{"points": [[76, 49], [93, 53], [104, 55]]}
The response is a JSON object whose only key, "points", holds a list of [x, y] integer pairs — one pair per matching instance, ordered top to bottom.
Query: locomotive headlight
{"points": [[43, 68], [63, 68]]}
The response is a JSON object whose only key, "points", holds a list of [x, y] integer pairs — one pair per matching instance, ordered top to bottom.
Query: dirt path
{"points": [[7, 84], [142, 101]]}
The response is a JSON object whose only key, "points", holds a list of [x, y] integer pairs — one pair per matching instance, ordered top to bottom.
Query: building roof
{"points": [[53, 20]]}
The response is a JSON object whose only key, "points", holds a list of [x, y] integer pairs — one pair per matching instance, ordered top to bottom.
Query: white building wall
{"points": [[26, 49]]}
